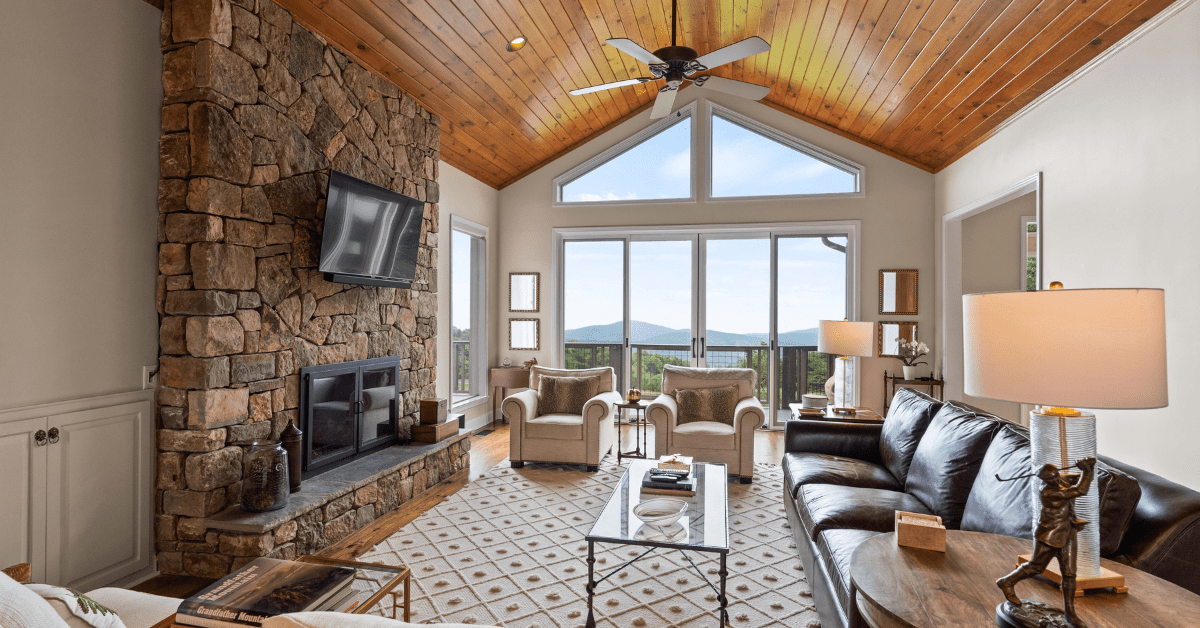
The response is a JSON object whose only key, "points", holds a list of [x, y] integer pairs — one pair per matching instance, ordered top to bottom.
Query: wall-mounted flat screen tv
{"points": [[372, 234]]}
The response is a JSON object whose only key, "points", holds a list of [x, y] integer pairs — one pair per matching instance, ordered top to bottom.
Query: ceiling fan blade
{"points": [[628, 47], [733, 52], [598, 88], [737, 88], [663, 103]]}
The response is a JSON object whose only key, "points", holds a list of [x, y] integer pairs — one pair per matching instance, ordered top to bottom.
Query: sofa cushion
{"points": [[677, 377], [566, 395], [707, 404], [907, 419], [559, 426], [704, 435], [947, 460], [806, 468], [1119, 495], [831, 507], [1002, 507], [836, 547], [20, 607]]}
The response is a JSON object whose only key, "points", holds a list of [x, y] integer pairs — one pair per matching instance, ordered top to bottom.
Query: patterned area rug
{"points": [[509, 550]]}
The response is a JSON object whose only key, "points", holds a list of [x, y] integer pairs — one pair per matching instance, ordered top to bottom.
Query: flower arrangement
{"points": [[911, 351]]}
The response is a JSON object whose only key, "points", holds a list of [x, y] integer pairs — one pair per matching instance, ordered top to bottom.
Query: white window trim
{"points": [[621, 148], [812, 150], [479, 368]]}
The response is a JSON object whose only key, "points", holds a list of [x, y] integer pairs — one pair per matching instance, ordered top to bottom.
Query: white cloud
{"points": [[677, 166]]}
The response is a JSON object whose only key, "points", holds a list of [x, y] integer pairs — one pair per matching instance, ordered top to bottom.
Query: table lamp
{"points": [[846, 339], [1065, 349]]}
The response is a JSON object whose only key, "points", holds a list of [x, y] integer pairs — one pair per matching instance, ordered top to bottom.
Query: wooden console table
{"points": [[504, 378], [890, 382], [861, 415], [903, 587]]}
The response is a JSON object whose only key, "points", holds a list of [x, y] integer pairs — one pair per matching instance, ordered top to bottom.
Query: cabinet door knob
{"points": [[53, 435], [39, 438]]}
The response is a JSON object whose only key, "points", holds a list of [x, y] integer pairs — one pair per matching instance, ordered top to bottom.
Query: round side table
{"points": [[640, 449], [903, 587]]}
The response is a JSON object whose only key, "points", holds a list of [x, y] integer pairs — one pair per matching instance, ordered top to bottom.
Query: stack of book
{"points": [[676, 483], [267, 587]]}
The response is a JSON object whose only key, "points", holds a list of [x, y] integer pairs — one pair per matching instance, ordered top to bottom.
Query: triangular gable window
{"points": [[750, 159], [653, 166]]}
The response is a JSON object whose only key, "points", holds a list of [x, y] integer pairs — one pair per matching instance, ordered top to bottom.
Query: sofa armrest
{"points": [[601, 406], [520, 407], [662, 413], [748, 416], [835, 438], [342, 620]]}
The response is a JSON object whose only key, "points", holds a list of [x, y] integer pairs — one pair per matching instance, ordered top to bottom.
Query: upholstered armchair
{"points": [[583, 438], [708, 441]]}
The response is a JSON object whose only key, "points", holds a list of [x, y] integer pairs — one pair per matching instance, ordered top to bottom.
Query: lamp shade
{"points": [[856, 338], [1078, 348]]}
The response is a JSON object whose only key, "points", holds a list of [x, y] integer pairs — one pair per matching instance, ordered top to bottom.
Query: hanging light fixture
{"points": [[516, 43]]}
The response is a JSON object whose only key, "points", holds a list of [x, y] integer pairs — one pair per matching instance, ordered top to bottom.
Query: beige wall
{"points": [[79, 114], [1118, 149], [478, 202], [894, 212], [993, 261]]}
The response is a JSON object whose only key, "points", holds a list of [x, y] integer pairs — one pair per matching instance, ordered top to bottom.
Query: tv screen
{"points": [[371, 235]]}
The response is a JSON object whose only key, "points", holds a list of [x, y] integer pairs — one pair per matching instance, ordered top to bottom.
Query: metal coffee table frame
{"points": [[696, 515]]}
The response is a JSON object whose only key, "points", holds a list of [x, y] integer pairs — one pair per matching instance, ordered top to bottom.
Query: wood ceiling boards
{"points": [[922, 80]]}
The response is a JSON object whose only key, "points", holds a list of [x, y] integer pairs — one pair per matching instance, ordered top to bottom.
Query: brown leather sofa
{"points": [[844, 482]]}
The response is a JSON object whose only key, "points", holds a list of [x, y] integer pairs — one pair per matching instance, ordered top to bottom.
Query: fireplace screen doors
{"points": [[347, 409]]}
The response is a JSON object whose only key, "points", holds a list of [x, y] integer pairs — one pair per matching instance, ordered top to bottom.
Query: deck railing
{"points": [[801, 369], [461, 381]]}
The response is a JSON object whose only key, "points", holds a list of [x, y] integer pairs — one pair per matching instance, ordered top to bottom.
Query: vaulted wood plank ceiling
{"points": [[921, 80]]}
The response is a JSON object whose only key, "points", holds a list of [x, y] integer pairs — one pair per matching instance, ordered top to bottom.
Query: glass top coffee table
{"points": [[703, 528]]}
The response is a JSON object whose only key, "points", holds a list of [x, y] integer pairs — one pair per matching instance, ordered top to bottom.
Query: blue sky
{"points": [[745, 163]]}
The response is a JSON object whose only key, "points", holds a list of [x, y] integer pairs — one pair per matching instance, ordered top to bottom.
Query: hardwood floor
{"points": [[486, 452]]}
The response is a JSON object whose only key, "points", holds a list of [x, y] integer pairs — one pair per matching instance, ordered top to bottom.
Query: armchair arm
{"points": [[522, 406], [601, 406], [662, 413], [748, 415], [848, 440]]}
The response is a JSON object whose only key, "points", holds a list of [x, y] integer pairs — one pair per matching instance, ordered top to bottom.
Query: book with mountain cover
{"points": [[263, 588]]}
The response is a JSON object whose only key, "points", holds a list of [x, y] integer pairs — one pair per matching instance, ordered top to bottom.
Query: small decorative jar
{"points": [[633, 396], [266, 484]]}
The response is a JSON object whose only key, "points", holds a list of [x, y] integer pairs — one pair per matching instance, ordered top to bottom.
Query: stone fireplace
{"points": [[256, 110]]}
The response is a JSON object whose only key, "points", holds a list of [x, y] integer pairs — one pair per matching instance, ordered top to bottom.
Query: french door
{"points": [[731, 296]]}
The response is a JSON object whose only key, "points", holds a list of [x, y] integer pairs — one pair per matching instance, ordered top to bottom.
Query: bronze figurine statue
{"points": [[1055, 537]]}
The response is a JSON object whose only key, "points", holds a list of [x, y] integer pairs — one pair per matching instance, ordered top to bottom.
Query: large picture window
{"points": [[468, 310]]}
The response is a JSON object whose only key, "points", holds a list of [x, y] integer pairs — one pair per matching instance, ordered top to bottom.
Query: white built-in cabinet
{"points": [[75, 490]]}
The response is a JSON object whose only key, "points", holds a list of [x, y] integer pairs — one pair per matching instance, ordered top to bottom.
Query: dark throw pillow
{"points": [[566, 395], [707, 404], [1119, 494]]}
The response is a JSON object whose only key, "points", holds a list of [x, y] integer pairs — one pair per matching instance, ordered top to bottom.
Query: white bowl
{"points": [[660, 511]]}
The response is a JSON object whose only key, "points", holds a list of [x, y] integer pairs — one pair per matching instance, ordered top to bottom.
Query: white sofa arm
{"points": [[601, 406], [520, 407], [662, 413], [748, 416], [344, 620]]}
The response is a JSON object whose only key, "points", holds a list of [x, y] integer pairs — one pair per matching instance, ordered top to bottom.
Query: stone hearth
{"points": [[256, 110]]}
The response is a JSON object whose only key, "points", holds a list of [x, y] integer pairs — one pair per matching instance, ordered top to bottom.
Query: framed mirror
{"points": [[523, 292], [898, 292], [889, 331], [524, 334]]}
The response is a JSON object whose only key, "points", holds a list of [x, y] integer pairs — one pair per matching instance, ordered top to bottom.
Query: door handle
{"points": [[693, 347], [702, 348], [53, 435], [39, 438]]}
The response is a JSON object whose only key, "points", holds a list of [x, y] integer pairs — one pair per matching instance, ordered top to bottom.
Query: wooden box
{"points": [[433, 411], [434, 433], [675, 461], [920, 531]]}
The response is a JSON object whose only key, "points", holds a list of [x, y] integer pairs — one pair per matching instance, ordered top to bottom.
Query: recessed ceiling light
{"points": [[516, 43]]}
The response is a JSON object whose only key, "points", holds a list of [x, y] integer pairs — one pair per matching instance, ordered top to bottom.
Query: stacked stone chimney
{"points": [[256, 110]]}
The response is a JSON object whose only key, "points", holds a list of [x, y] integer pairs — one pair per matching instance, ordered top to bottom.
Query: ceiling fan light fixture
{"points": [[516, 43]]}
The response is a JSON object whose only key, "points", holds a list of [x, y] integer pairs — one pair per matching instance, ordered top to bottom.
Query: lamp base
{"points": [[1108, 579], [1030, 615]]}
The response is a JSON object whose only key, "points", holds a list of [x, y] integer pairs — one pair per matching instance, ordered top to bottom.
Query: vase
{"points": [[910, 372], [266, 484]]}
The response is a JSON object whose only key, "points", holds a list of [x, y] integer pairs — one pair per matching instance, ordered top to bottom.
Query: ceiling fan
{"points": [[680, 63]]}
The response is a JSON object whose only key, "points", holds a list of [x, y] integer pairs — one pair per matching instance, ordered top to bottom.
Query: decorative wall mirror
{"points": [[898, 292], [524, 294], [889, 331], [524, 334]]}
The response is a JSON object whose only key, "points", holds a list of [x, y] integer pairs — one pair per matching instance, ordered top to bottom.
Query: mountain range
{"points": [[650, 334]]}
